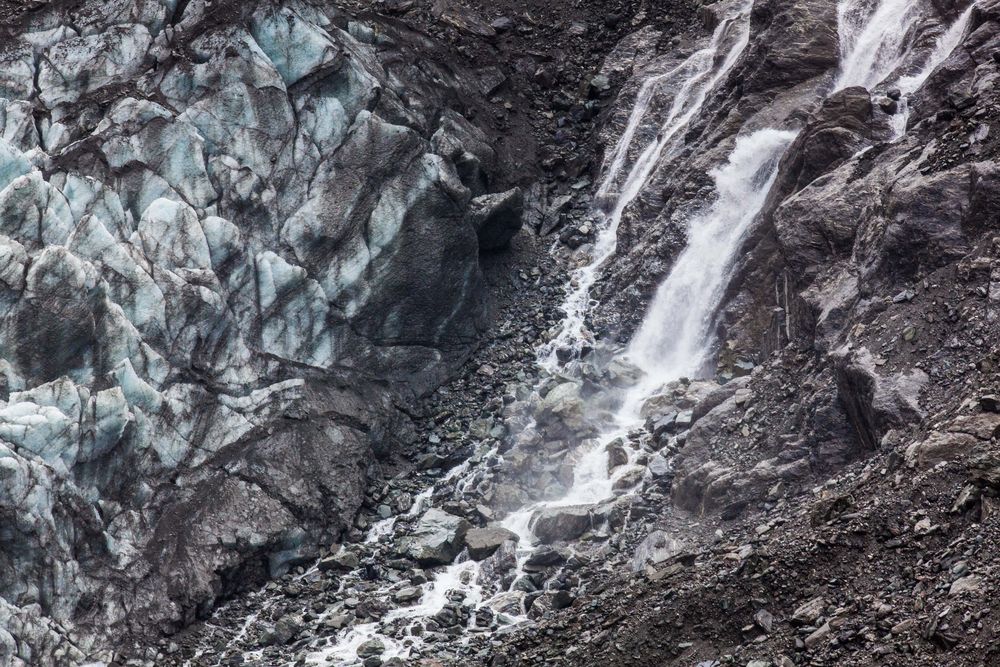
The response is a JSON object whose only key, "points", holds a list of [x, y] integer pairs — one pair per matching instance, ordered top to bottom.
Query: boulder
{"points": [[497, 218], [718, 396], [875, 402], [564, 411], [960, 437], [561, 524], [436, 539], [483, 542], [658, 547], [546, 556], [496, 566], [968, 584], [549, 601], [809, 612], [284, 631], [370, 648]]}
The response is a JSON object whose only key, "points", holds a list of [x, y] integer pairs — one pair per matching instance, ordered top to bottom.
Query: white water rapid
{"points": [[875, 40]]}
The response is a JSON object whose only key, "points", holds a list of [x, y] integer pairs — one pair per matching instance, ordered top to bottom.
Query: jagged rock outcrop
{"points": [[870, 201], [235, 237]]}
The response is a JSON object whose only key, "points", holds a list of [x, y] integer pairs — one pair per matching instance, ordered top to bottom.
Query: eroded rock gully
{"points": [[298, 369]]}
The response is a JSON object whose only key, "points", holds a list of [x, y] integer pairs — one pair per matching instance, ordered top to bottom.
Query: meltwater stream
{"points": [[880, 48], [693, 79], [743, 182], [675, 338]]}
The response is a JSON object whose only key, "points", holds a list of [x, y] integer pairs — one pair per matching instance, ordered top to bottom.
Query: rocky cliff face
{"points": [[874, 204], [236, 236], [846, 471]]}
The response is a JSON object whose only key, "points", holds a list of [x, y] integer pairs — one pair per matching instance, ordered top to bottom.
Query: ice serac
{"points": [[228, 251]]}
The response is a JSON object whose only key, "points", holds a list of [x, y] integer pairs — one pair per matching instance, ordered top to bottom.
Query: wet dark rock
{"points": [[889, 106], [497, 218], [561, 524], [437, 538], [483, 542], [657, 548], [544, 556], [343, 560], [283, 632], [371, 647]]}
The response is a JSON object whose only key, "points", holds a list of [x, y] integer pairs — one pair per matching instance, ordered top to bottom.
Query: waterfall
{"points": [[877, 41], [874, 42], [946, 43], [694, 79], [908, 85], [676, 335], [675, 338]]}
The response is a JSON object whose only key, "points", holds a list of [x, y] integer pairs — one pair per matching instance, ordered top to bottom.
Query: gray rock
{"points": [[503, 24], [497, 218], [875, 403], [658, 466], [561, 524], [436, 539], [483, 542], [658, 547], [545, 556], [343, 560], [503, 560], [968, 584], [408, 594], [809, 612], [765, 620], [284, 631], [819, 635], [371, 647]]}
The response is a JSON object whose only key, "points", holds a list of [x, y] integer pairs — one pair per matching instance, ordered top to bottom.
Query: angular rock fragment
{"points": [[497, 218], [562, 524], [437, 538], [483, 542]]}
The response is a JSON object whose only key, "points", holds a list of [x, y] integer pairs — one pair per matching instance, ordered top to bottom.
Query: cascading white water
{"points": [[874, 41], [877, 42], [695, 78], [908, 85], [675, 338]]}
